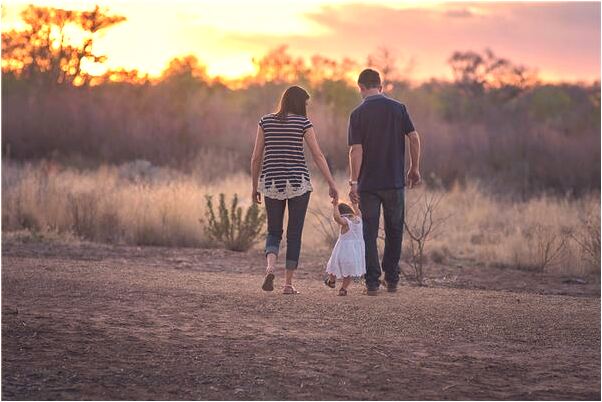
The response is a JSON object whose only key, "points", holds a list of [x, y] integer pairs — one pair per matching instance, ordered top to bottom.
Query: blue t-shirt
{"points": [[380, 124]]}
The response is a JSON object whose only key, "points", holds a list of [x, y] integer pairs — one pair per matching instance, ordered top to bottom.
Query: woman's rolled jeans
{"points": [[297, 208]]}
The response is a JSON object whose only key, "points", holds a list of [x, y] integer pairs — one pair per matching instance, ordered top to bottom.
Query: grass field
{"points": [[139, 204]]}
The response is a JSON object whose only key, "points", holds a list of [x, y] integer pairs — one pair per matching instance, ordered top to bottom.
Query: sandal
{"points": [[268, 282], [329, 283], [289, 290], [342, 292]]}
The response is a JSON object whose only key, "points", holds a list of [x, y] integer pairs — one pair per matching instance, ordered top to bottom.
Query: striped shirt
{"points": [[284, 172]]}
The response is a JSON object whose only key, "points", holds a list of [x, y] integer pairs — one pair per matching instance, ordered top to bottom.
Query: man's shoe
{"points": [[391, 287], [370, 291]]}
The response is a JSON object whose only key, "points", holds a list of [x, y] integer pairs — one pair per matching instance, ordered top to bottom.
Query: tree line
{"points": [[494, 121]]}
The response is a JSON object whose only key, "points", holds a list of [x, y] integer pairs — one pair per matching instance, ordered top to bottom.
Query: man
{"points": [[377, 131]]}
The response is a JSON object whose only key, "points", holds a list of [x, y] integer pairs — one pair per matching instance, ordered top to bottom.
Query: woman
{"points": [[279, 171]]}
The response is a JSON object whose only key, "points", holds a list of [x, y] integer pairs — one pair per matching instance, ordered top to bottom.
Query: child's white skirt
{"points": [[347, 258]]}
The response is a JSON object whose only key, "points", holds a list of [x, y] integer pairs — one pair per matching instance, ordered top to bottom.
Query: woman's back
{"points": [[284, 171]]}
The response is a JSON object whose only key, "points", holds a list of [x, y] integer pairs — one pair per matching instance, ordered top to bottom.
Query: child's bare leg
{"points": [[332, 277], [346, 282]]}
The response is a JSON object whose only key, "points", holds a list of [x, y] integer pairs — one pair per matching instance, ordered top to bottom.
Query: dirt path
{"points": [[99, 322]]}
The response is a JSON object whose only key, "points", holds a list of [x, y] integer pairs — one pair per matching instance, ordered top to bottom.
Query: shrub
{"points": [[421, 225], [228, 228], [588, 238], [550, 246]]}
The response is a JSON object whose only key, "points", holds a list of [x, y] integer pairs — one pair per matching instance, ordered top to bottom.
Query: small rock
{"points": [[574, 281]]}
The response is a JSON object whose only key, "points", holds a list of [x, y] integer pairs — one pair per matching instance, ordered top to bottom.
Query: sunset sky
{"points": [[560, 40]]}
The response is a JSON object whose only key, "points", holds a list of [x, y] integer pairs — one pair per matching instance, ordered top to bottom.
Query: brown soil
{"points": [[87, 321]]}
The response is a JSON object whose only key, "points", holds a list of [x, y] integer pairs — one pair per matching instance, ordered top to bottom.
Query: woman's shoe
{"points": [[268, 282], [289, 290]]}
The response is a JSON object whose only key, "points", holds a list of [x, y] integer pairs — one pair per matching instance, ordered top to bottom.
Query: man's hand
{"points": [[413, 178], [353, 194], [256, 196]]}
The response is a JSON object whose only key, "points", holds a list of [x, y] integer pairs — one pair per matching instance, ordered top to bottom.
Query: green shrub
{"points": [[228, 228]]}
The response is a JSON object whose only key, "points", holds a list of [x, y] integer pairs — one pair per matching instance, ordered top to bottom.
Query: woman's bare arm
{"points": [[256, 160], [320, 160]]}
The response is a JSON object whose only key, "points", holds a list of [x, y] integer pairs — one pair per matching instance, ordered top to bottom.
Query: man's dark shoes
{"points": [[391, 287], [371, 291]]}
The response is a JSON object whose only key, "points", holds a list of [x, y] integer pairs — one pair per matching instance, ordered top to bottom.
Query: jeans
{"points": [[392, 202], [297, 207]]}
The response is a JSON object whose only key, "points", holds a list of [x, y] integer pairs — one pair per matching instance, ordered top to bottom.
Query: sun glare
{"points": [[225, 36]]}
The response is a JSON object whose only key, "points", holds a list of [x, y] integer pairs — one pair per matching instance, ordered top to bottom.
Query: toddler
{"points": [[347, 260]]}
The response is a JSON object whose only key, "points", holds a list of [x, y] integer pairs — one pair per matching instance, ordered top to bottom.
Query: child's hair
{"points": [[345, 209]]}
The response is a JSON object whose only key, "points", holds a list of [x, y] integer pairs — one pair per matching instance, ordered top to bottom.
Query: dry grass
{"points": [[137, 203]]}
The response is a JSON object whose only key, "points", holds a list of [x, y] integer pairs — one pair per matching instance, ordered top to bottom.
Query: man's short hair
{"points": [[369, 78]]}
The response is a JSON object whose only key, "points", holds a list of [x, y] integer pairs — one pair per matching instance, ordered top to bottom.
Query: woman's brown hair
{"points": [[293, 101]]}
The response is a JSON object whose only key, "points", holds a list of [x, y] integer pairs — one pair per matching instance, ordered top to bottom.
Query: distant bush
{"points": [[545, 140], [228, 227]]}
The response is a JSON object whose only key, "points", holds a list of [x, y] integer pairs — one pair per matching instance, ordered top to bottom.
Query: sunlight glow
{"points": [[227, 35]]}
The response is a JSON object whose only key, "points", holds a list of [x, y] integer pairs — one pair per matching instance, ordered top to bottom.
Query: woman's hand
{"points": [[333, 193], [256, 196]]}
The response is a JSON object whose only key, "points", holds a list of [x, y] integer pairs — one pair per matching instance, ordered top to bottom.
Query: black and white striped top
{"points": [[284, 173]]}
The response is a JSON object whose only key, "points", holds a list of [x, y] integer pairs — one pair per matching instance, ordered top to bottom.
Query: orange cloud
{"points": [[561, 40]]}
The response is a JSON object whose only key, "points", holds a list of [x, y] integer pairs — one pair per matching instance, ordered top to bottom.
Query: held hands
{"points": [[414, 178], [333, 193], [353, 194]]}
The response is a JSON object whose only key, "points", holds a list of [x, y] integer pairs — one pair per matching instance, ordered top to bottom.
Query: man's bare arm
{"points": [[355, 161], [355, 164], [414, 172]]}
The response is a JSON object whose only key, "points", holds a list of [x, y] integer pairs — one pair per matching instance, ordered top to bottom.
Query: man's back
{"points": [[379, 124]]}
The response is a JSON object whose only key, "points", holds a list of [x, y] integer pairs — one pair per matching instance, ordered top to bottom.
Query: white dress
{"points": [[348, 254]]}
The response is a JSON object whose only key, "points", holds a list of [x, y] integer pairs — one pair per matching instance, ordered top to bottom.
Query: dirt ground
{"points": [[86, 321]]}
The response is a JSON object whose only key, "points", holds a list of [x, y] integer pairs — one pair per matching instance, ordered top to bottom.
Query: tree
{"points": [[55, 44], [385, 61], [278, 66], [185, 68], [324, 68], [477, 73]]}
